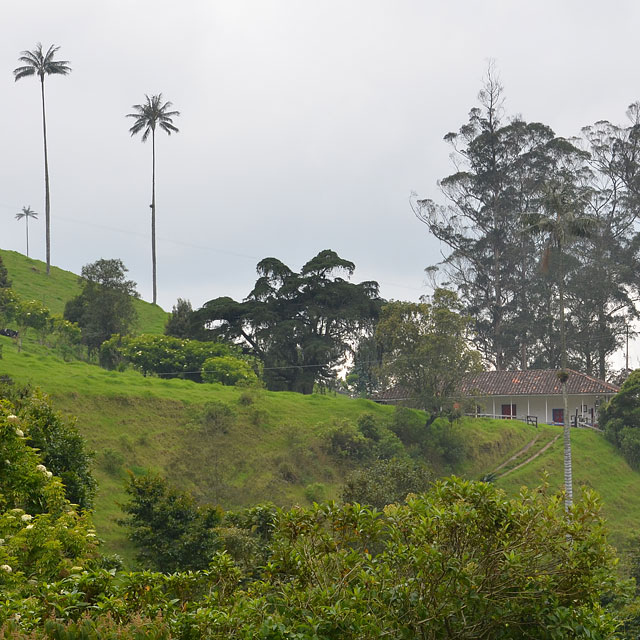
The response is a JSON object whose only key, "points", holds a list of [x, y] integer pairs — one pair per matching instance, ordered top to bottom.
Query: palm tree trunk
{"points": [[47, 208], [153, 212], [26, 219], [568, 467]]}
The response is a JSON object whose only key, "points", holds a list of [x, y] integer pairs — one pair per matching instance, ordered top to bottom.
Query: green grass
{"points": [[30, 281], [273, 447], [596, 465]]}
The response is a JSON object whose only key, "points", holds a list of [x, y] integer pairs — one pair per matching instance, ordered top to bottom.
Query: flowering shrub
{"points": [[172, 357]]}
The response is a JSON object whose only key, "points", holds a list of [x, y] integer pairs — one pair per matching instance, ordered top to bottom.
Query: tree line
{"points": [[507, 173]]}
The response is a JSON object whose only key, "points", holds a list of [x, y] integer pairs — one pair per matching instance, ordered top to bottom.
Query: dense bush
{"points": [[167, 356], [228, 370], [620, 419], [61, 447], [385, 482], [170, 531], [461, 561]]}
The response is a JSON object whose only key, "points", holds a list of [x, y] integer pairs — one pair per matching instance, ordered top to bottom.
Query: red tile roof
{"points": [[531, 382], [514, 383]]}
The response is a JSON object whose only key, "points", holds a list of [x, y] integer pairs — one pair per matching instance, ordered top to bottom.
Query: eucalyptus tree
{"points": [[41, 63], [149, 116], [500, 167], [27, 213], [561, 221]]}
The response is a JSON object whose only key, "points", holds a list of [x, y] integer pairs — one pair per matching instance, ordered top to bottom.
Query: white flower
{"points": [[11, 419], [20, 433], [8, 463], [42, 468], [49, 474], [26, 517], [29, 526], [91, 535], [1, 540], [6, 567]]}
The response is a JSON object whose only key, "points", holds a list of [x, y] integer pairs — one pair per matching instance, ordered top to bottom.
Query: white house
{"points": [[537, 393]]}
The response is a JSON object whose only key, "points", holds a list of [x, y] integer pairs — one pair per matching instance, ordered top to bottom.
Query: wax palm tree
{"points": [[42, 64], [149, 116], [27, 213], [560, 221]]}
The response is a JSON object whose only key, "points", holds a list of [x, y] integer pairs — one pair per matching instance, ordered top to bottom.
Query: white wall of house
{"points": [[542, 406]]}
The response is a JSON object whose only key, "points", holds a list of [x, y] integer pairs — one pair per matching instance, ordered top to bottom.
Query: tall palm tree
{"points": [[42, 64], [148, 116], [27, 213], [560, 221]]}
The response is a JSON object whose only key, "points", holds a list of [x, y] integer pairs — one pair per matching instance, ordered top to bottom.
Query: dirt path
{"points": [[517, 454], [532, 458]]}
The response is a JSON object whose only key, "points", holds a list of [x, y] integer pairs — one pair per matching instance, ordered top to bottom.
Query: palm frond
{"points": [[42, 64], [151, 114]]}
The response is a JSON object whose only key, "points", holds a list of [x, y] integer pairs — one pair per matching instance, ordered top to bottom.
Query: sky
{"points": [[304, 125]]}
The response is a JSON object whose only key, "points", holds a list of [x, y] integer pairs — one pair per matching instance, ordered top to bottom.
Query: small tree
{"points": [[105, 305], [179, 324], [426, 350], [386, 482], [170, 531]]}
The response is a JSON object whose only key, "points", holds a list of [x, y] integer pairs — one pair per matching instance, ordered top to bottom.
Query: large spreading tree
{"points": [[41, 63], [149, 116], [301, 325]]}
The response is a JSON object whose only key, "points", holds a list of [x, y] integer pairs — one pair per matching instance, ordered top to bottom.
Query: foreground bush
{"points": [[461, 561]]}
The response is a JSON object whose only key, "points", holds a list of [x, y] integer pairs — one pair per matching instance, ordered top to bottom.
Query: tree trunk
{"points": [[47, 209], [153, 213], [27, 225], [568, 467]]}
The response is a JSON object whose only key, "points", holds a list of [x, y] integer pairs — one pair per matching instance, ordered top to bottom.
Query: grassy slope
{"points": [[29, 279], [271, 450], [596, 465]]}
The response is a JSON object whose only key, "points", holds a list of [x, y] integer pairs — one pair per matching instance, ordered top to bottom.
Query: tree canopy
{"points": [[105, 305], [301, 325], [426, 349]]}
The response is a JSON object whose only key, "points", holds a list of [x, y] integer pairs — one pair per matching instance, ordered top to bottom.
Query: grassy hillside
{"points": [[29, 279], [238, 447], [270, 447], [596, 465]]}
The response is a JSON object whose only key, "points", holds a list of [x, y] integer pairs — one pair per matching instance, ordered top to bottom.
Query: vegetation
{"points": [[41, 63], [148, 116], [503, 169], [105, 305], [299, 325], [425, 349], [620, 419], [169, 530]]}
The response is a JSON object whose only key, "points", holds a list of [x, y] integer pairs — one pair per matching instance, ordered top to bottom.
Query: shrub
{"points": [[227, 370], [216, 416], [345, 441], [112, 461], [386, 482], [315, 492]]}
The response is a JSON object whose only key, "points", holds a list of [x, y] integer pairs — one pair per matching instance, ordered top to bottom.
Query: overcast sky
{"points": [[304, 125]]}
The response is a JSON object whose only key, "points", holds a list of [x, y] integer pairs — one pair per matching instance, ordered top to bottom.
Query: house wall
{"points": [[542, 406]]}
